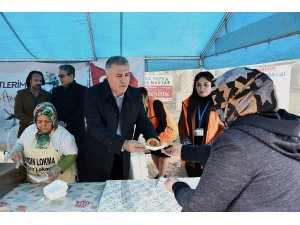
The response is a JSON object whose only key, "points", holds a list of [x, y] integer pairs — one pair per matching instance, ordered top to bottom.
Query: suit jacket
{"points": [[25, 104], [69, 105], [102, 117]]}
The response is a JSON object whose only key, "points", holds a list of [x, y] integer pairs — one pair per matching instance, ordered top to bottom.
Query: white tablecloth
{"points": [[140, 195], [112, 196], [30, 197]]}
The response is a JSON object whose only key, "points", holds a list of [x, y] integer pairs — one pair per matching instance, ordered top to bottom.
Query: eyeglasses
{"points": [[62, 75]]}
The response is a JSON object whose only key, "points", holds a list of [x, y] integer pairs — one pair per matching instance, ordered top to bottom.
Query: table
{"points": [[110, 196], [81, 197]]}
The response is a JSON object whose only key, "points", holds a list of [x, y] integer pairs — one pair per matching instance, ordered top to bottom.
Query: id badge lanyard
{"points": [[199, 131]]}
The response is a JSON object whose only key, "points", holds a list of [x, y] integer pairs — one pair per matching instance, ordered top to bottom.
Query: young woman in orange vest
{"points": [[199, 122], [165, 128]]}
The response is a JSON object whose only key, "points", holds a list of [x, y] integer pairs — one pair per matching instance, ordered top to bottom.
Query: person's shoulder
{"points": [[79, 86], [82, 86], [95, 88], [56, 89], [22, 91], [134, 91], [45, 92], [185, 102], [157, 103], [31, 129], [62, 133], [231, 138]]}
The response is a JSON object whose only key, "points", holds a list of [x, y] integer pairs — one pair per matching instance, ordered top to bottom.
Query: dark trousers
{"points": [[117, 169], [83, 175]]}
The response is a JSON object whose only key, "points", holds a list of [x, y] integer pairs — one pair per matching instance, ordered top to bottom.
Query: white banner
{"points": [[281, 76], [13, 78], [160, 87]]}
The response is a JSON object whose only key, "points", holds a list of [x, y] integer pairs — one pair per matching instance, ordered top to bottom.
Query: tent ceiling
{"points": [[167, 40]]}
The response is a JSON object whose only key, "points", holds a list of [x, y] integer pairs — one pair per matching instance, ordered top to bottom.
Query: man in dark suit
{"points": [[68, 101], [112, 109]]}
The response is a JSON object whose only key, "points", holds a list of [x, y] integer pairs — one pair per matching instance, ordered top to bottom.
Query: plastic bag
{"points": [[138, 166]]}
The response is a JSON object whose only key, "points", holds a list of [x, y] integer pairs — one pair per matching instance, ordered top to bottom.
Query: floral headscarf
{"points": [[243, 91], [47, 109]]}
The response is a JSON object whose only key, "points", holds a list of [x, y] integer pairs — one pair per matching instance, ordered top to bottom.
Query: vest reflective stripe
{"points": [[171, 131]]}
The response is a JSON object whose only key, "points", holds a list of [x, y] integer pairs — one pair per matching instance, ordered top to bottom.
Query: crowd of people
{"points": [[232, 134]]}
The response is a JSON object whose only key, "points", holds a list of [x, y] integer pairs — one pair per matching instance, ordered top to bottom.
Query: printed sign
{"points": [[281, 76], [160, 87]]}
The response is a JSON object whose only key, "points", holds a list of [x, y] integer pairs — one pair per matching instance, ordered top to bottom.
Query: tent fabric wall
{"points": [[66, 35], [161, 37], [256, 38], [165, 65]]}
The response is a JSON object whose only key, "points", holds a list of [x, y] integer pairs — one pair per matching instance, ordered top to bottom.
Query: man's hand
{"points": [[133, 146], [174, 150], [169, 183]]}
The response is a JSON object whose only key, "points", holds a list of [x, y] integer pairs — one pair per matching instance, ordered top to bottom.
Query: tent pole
{"points": [[121, 33], [91, 35], [215, 36]]}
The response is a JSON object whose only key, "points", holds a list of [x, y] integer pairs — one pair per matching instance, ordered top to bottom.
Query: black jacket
{"points": [[68, 102], [102, 117]]}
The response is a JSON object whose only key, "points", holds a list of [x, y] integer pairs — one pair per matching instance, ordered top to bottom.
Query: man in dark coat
{"points": [[27, 99], [68, 101], [112, 109]]}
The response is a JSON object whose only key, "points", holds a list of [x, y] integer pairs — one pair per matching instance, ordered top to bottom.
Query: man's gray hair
{"points": [[117, 60]]}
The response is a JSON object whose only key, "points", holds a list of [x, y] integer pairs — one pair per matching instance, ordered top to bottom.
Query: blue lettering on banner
{"points": [[12, 84]]}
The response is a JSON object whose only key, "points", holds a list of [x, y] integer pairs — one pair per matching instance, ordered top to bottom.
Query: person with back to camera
{"points": [[27, 99], [112, 109], [199, 123], [165, 128], [46, 148], [254, 165]]}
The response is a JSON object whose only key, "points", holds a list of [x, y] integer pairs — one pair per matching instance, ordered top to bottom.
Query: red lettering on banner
{"points": [[160, 92]]}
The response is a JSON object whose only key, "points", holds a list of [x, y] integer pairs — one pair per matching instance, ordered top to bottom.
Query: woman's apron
{"points": [[42, 160]]}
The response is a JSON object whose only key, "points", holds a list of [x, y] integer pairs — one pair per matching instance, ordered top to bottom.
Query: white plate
{"points": [[155, 148], [38, 178]]}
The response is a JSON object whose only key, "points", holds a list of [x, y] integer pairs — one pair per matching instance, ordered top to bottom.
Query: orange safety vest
{"points": [[213, 128], [171, 131]]}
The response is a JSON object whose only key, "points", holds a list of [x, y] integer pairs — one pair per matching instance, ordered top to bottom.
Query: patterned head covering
{"points": [[243, 91], [47, 109]]}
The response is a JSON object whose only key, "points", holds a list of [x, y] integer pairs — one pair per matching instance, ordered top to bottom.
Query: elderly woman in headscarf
{"points": [[46, 149], [254, 165]]}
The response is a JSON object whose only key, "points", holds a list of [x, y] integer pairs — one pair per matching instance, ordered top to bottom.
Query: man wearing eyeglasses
{"points": [[68, 101]]}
